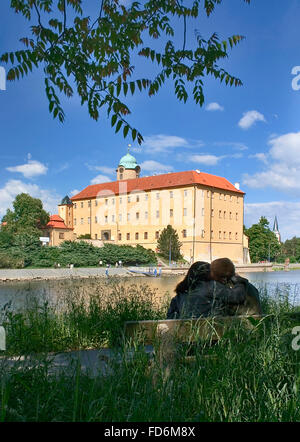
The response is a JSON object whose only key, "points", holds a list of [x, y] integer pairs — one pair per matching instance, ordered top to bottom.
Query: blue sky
{"points": [[249, 134]]}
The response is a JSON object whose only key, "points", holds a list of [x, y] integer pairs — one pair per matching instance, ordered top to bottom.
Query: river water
{"points": [[18, 294]]}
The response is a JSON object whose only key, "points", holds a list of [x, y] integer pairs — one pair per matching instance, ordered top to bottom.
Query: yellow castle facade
{"points": [[207, 212]]}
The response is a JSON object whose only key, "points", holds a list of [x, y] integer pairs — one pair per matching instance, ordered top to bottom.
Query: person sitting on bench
{"points": [[205, 291]]}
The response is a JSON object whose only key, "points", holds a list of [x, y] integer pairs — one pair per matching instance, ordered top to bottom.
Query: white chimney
{"points": [[237, 186]]}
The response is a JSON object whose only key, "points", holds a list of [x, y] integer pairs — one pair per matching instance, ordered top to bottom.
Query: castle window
{"points": [[185, 193], [171, 194], [146, 196], [157, 196], [137, 198], [106, 201], [89, 203], [81, 204], [75, 206], [202, 211], [184, 212], [212, 212], [171, 213], [220, 213], [157, 214], [137, 215], [146, 215], [230, 215], [128, 216], [236, 216], [106, 219], [96, 220], [74, 221], [81, 221], [184, 233], [157, 234], [220, 234], [61, 235], [145, 235], [224, 235], [229, 235], [96, 236], [120, 236], [128, 236], [137, 236], [236, 236]]}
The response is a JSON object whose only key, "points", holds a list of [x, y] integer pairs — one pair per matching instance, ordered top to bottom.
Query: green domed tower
{"points": [[128, 168]]}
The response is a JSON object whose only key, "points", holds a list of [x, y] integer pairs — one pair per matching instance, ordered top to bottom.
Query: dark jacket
{"points": [[208, 298]]}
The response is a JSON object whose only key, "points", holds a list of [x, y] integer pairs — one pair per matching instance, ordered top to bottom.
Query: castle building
{"points": [[206, 210]]}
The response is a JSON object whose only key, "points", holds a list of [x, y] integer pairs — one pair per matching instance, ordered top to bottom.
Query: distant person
{"points": [[205, 292]]}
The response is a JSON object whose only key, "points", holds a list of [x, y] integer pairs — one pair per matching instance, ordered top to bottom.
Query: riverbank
{"points": [[101, 272], [249, 376]]}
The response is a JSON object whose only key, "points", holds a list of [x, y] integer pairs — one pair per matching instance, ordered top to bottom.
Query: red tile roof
{"points": [[167, 180], [56, 222]]}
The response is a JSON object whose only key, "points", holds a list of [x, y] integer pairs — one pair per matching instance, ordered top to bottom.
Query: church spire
{"points": [[276, 229]]}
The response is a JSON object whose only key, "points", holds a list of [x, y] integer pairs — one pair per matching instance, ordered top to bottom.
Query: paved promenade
{"points": [[29, 274], [92, 362]]}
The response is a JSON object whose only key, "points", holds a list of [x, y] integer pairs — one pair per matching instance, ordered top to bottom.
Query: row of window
{"points": [[223, 214], [222, 235]]}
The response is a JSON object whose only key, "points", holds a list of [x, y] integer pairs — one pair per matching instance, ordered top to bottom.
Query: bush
{"points": [[10, 262]]}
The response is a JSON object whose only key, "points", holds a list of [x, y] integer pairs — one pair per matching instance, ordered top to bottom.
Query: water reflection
{"points": [[19, 294]]}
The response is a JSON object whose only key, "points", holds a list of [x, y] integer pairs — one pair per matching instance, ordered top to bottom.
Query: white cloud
{"points": [[214, 107], [249, 118], [163, 143], [234, 145], [260, 156], [209, 160], [156, 167], [283, 167], [30, 169], [104, 169], [100, 179], [13, 187], [74, 192], [288, 225]]}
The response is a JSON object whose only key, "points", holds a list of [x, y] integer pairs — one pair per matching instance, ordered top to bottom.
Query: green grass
{"points": [[248, 376]]}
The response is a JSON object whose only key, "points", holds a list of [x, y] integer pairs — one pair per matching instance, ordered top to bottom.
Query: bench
{"points": [[165, 334]]}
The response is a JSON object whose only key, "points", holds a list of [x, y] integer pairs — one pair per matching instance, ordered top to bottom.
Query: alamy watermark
{"points": [[2, 79], [296, 79], [296, 340]]}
